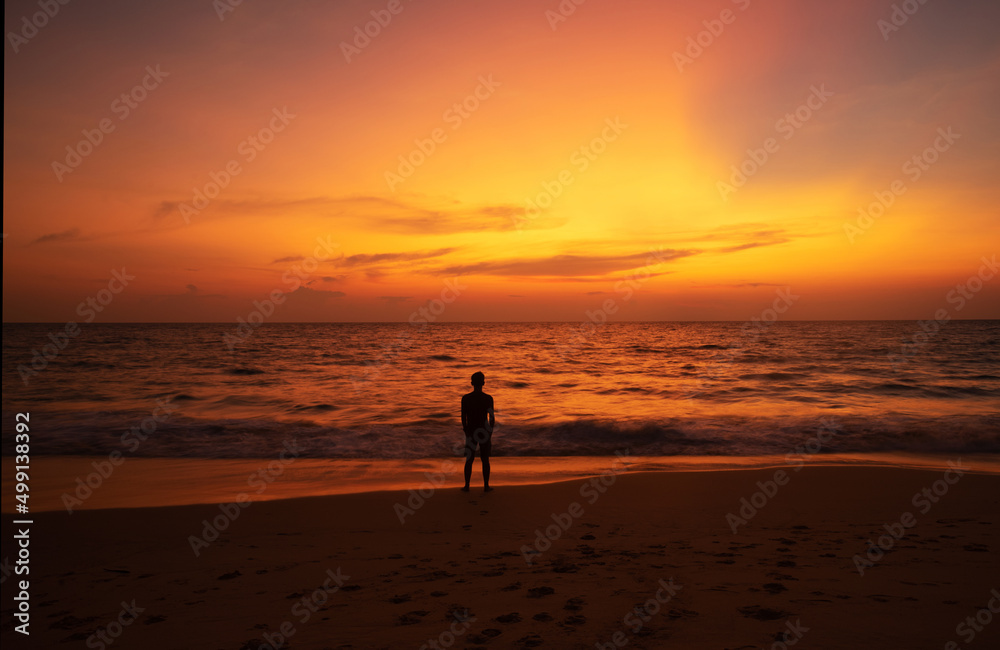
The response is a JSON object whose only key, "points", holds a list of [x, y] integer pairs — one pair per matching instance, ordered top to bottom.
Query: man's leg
{"points": [[485, 448], [470, 455]]}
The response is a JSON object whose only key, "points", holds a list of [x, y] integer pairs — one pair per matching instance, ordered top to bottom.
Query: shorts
{"points": [[485, 446]]}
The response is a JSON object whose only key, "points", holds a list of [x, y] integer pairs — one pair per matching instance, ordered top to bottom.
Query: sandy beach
{"points": [[629, 559]]}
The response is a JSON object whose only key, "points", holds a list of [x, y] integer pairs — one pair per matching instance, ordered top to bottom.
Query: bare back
{"points": [[477, 412]]}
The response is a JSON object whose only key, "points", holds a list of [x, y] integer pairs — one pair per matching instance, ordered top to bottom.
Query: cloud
{"points": [[165, 208], [384, 214], [401, 217], [66, 235], [739, 236], [749, 245], [290, 258], [363, 260], [569, 266], [333, 278], [739, 285], [305, 294], [191, 295], [395, 299]]}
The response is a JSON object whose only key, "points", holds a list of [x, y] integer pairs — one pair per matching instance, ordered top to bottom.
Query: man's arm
{"points": [[465, 415], [492, 419]]}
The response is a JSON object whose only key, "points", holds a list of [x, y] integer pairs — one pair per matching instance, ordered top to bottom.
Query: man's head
{"points": [[478, 379]]}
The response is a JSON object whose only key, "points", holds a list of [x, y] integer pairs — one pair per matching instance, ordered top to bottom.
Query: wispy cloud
{"points": [[386, 215], [66, 235], [749, 245], [364, 259], [567, 266], [740, 285], [314, 295]]}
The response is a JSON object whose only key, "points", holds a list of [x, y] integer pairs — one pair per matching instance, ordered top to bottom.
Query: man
{"points": [[478, 421]]}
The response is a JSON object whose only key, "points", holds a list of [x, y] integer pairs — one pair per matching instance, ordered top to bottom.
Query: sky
{"points": [[526, 160]]}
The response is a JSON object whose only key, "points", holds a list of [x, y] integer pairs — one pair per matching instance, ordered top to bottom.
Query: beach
{"points": [[702, 295], [560, 565]]}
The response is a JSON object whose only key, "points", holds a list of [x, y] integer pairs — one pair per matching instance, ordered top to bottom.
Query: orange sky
{"points": [[589, 116]]}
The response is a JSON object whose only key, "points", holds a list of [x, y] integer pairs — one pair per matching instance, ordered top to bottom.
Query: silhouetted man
{"points": [[478, 421]]}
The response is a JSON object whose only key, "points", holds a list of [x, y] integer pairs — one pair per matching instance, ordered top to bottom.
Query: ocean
{"points": [[355, 391]]}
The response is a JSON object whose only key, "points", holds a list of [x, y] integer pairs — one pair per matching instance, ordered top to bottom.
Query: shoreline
{"points": [[63, 483]]}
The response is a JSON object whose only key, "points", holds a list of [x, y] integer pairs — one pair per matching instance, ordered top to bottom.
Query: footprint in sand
{"points": [[230, 576], [781, 576], [511, 587], [775, 588], [538, 592], [439, 594], [400, 598], [574, 604], [759, 613], [513, 617], [543, 617], [411, 618], [154, 619], [574, 620], [485, 636], [530, 641]]}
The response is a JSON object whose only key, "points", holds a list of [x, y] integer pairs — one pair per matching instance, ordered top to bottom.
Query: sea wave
{"points": [[435, 435]]}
